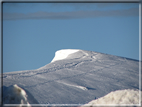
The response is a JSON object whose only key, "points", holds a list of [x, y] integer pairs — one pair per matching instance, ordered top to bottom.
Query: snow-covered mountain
{"points": [[74, 77]]}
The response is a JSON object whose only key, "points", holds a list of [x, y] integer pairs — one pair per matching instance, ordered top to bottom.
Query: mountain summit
{"points": [[75, 77]]}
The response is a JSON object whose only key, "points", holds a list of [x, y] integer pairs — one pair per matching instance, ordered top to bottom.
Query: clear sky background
{"points": [[33, 32]]}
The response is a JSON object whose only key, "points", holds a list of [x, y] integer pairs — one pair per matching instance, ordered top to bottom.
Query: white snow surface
{"points": [[62, 54], [78, 78], [15, 95], [119, 97]]}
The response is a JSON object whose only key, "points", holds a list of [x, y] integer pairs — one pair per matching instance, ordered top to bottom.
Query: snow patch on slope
{"points": [[62, 54], [77, 86], [15, 95], [119, 97]]}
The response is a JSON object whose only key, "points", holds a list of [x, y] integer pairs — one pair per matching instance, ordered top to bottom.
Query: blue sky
{"points": [[33, 32]]}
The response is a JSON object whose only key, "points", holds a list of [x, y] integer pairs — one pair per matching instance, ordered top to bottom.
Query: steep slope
{"points": [[78, 78]]}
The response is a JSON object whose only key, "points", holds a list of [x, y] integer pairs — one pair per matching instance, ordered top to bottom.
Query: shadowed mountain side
{"points": [[77, 79]]}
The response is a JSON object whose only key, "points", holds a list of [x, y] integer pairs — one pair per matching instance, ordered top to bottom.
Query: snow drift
{"points": [[62, 54], [76, 77], [15, 95], [118, 98]]}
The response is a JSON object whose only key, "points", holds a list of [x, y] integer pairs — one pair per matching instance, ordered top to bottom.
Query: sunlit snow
{"points": [[62, 54], [120, 97]]}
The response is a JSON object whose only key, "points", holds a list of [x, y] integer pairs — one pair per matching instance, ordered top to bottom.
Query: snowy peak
{"points": [[62, 54], [78, 55]]}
